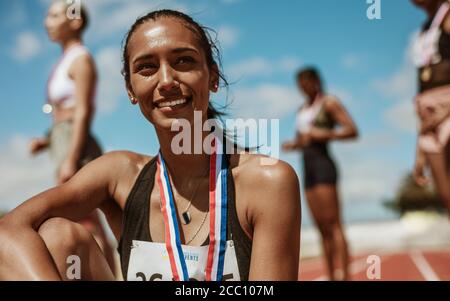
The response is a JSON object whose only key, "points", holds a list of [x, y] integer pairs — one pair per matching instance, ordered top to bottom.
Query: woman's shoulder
{"points": [[330, 99], [331, 103], [126, 158], [121, 163], [124, 168], [255, 170], [265, 185]]}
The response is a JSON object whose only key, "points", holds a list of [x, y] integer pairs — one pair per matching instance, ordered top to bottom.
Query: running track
{"points": [[414, 265]]}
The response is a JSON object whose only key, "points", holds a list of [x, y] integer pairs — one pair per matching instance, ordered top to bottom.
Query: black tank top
{"points": [[444, 41], [444, 64], [323, 120], [135, 225]]}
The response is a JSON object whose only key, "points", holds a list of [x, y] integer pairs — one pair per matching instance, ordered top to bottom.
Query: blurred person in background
{"points": [[431, 54], [70, 100], [316, 126]]}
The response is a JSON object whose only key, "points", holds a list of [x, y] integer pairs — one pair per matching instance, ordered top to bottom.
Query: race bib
{"points": [[150, 262]]}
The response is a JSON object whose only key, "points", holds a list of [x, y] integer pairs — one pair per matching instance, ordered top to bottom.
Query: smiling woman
{"points": [[209, 216]]}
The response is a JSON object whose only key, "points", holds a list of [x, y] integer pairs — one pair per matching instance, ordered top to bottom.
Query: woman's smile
{"points": [[173, 105]]}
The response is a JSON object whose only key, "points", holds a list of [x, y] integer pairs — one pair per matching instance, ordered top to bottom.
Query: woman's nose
{"points": [[167, 81]]}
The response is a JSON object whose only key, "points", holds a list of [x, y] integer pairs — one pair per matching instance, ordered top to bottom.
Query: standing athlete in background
{"points": [[432, 58], [70, 100], [316, 121]]}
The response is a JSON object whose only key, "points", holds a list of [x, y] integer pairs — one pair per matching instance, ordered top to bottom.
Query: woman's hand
{"points": [[320, 135], [301, 140], [38, 144], [289, 146], [419, 170]]}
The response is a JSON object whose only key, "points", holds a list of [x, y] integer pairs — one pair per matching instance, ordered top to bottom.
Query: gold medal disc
{"points": [[426, 74]]}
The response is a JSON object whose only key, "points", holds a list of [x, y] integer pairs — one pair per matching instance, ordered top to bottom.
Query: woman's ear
{"points": [[76, 24], [214, 79], [131, 96]]}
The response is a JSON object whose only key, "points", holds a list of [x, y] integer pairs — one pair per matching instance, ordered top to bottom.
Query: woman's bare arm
{"points": [[347, 128], [274, 214], [23, 254]]}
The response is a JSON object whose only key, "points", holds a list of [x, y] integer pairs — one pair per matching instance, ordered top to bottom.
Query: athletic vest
{"points": [[60, 87], [136, 238]]}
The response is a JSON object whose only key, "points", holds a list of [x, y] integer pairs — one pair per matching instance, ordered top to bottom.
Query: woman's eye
{"points": [[185, 60], [145, 67]]}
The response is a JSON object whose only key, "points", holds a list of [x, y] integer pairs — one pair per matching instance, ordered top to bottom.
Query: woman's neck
{"points": [[66, 45], [313, 98], [184, 168]]}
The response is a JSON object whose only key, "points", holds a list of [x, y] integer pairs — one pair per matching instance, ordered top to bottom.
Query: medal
{"points": [[427, 44], [426, 74], [47, 108], [186, 218], [218, 218]]}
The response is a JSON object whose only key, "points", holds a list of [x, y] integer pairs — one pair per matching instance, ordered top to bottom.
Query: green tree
{"points": [[411, 196]]}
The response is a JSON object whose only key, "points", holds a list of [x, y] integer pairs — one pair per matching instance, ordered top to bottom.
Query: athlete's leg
{"points": [[439, 164], [328, 195], [320, 219], [94, 226], [64, 238]]}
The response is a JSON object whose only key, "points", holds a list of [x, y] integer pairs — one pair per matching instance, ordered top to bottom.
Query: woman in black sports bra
{"points": [[432, 59], [316, 127], [178, 215]]}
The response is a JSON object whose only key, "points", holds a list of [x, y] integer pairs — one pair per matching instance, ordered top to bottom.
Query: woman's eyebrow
{"points": [[185, 49], [175, 51], [143, 57]]}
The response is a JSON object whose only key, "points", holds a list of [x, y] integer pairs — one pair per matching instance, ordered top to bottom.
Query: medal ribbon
{"points": [[437, 21], [218, 218]]}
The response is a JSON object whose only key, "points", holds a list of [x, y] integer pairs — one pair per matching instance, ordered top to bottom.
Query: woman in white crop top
{"points": [[70, 100]]}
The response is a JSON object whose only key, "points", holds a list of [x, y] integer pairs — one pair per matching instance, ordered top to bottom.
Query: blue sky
{"points": [[365, 63]]}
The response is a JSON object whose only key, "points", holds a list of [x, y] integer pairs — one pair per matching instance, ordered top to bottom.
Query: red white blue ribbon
{"points": [[218, 218]]}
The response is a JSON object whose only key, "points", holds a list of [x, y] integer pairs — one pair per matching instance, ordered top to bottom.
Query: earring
{"points": [[133, 100]]}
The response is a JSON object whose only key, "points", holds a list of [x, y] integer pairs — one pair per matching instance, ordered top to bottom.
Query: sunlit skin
{"points": [[439, 163], [267, 197], [323, 199]]}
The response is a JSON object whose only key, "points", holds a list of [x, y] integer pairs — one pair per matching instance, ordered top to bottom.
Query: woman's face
{"points": [[58, 25], [169, 74], [309, 87]]}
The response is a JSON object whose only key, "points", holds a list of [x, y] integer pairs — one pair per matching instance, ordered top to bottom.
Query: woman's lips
{"points": [[174, 105]]}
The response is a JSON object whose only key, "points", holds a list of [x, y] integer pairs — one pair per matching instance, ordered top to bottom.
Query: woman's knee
{"points": [[329, 229], [63, 234]]}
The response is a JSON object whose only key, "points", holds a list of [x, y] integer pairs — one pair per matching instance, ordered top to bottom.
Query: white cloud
{"points": [[109, 17], [227, 35], [26, 46], [352, 61], [256, 66], [260, 67], [402, 83], [111, 84], [401, 88], [344, 95], [265, 101], [402, 116], [365, 171], [21, 175], [367, 180]]}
